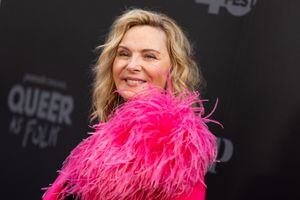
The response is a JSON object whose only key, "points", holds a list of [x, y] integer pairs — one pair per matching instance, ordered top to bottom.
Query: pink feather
{"points": [[155, 146]]}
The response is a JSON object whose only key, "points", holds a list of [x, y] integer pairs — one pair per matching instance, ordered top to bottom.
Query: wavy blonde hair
{"points": [[184, 71]]}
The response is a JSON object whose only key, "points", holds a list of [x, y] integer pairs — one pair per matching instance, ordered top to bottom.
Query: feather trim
{"points": [[155, 146]]}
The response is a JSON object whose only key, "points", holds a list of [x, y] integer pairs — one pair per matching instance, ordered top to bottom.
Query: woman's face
{"points": [[142, 59]]}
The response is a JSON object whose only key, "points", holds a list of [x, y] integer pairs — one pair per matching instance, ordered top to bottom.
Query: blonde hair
{"points": [[184, 72]]}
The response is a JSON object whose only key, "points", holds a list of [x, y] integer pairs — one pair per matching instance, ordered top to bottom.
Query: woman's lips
{"points": [[134, 82]]}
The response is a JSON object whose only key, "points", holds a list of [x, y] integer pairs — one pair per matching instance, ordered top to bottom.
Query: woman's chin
{"points": [[128, 94]]}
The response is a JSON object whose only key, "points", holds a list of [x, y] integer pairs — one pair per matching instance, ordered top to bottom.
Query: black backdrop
{"points": [[249, 54]]}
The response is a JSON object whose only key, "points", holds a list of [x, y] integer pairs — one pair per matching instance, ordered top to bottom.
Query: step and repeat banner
{"points": [[248, 51]]}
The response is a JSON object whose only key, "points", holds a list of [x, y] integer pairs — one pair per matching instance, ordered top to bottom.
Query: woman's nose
{"points": [[134, 64]]}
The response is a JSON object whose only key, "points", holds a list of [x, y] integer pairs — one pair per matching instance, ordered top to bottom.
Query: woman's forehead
{"points": [[144, 37]]}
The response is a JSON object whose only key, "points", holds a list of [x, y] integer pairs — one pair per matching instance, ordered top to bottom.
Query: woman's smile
{"points": [[133, 82]]}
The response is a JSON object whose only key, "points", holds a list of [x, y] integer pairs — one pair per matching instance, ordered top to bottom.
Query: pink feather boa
{"points": [[155, 146]]}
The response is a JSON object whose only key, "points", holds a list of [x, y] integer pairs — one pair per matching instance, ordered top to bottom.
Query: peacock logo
{"points": [[235, 7]]}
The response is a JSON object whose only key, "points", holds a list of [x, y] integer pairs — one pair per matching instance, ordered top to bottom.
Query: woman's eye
{"points": [[122, 53], [150, 56]]}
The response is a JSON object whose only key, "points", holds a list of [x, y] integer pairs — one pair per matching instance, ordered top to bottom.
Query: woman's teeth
{"points": [[134, 82]]}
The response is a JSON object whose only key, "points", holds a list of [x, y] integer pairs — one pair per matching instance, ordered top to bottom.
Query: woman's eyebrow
{"points": [[123, 47], [143, 50]]}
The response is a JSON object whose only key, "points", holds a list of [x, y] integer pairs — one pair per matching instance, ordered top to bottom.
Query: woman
{"points": [[150, 143]]}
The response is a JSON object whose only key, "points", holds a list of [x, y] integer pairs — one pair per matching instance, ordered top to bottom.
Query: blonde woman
{"points": [[150, 142]]}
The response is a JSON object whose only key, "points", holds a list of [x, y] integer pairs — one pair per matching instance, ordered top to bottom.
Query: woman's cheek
{"points": [[161, 75]]}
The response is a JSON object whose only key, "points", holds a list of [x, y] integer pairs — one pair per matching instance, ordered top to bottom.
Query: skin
{"points": [[142, 59]]}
